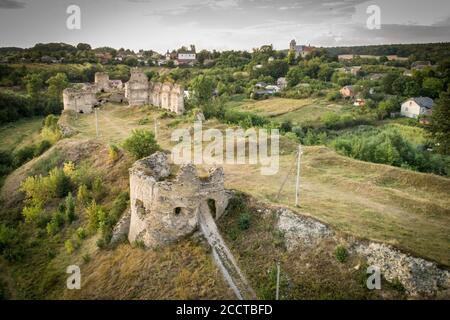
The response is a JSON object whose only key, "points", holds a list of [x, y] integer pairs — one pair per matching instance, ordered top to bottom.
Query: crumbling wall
{"points": [[102, 82], [139, 91], [79, 100], [163, 211]]}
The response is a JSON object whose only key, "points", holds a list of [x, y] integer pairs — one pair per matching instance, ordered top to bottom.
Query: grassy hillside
{"points": [[19, 134], [408, 209]]}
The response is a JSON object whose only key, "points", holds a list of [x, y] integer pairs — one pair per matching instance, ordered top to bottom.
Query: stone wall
{"points": [[102, 81], [139, 91], [84, 98], [80, 100], [164, 210]]}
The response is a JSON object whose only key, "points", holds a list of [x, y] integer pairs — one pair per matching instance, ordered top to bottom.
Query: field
{"points": [[298, 111], [19, 134], [408, 209]]}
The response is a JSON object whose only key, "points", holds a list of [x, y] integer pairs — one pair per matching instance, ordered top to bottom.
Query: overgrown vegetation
{"points": [[141, 144]]}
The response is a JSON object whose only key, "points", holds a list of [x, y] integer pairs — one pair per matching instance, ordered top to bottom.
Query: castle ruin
{"points": [[139, 91], [84, 97], [80, 100], [164, 210]]}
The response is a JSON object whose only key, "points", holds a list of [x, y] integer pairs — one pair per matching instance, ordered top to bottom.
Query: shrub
{"points": [[51, 131], [141, 144], [43, 146], [388, 146], [113, 152], [23, 155], [6, 162], [69, 169], [58, 183], [97, 188], [83, 194], [118, 207], [70, 209], [32, 212], [96, 216], [57, 221], [244, 221], [81, 233], [7, 237], [69, 246], [11, 247], [341, 254], [86, 258]]}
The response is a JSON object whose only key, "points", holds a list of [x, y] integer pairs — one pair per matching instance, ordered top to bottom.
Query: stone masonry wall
{"points": [[163, 211]]}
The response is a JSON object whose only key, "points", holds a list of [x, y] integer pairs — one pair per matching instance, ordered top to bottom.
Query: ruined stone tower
{"points": [[102, 81], [136, 90], [139, 91], [80, 100], [164, 210]]}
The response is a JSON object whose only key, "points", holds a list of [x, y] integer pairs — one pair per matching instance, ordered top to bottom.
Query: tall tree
{"points": [[33, 83], [56, 85], [440, 123]]}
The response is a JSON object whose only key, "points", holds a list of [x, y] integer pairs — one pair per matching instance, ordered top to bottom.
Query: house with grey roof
{"points": [[415, 107]]}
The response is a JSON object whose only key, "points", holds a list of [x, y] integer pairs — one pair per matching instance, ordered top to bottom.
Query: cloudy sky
{"points": [[222, 24]]}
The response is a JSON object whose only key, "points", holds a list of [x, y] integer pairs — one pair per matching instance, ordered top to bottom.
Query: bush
{"points": [[141, 144], [387, 145], [43, 146], [113, 152], [24, 155], [58, 183], [97, 188], [83, 194], [70, 209], [32, 212], [96, 216], [57, 221], [244, 221], [81, 233], [11, 247], [70, 248], [341, 254]]}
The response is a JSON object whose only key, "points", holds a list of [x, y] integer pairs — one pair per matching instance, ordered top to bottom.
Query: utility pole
{"points": [[96, 121], [297, 185], [277, 294]]}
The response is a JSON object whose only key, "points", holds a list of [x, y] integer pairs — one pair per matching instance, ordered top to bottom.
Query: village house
{"points": [[186, 58], [347, 92], [415, 107]]}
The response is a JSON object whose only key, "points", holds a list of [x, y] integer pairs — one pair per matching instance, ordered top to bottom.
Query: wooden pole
{"points": [[96, 121], [156, 129], [297, 185], [277, 294]]}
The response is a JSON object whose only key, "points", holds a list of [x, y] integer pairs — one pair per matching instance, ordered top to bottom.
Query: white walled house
{"points": [[186, 58], [415, 107]]}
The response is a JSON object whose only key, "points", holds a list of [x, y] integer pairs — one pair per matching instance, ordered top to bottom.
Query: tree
{"points": [[83, 47], [291, 60], [33, 82], [56, 85], [202, 87], [432, 87], [440, 123], [141, 144]]}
